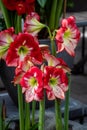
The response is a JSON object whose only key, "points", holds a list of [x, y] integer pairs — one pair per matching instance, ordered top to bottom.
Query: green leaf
{"points": [[42, 3], [5, 14], [3, 50], [1, 120], [8, 124], [34, 127]]}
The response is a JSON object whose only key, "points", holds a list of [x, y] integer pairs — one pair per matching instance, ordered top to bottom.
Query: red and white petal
{"points": [[69, 48], [58, 92], [29, 95], [50, 95]]}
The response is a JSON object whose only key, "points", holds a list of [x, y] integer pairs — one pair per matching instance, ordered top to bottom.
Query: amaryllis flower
{"points": [[10, 4], [21, 6], [30, 6], [32, 24], [67, 36], [6, 38], [24, 45], [56, 62], [21, 69], [55, 82], [32, 84]]}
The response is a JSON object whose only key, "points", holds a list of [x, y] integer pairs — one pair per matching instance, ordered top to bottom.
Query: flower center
{"points": [[67, 33], [9, 39], [23, 50], [53, 81], [32, 82]]}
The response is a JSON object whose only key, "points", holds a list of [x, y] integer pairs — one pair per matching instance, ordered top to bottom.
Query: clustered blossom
{"points": [[21, 6], [25, 53]]}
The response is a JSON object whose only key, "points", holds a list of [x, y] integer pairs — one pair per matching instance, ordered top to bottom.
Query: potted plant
{"points": [[43, 8], [36, 67]]}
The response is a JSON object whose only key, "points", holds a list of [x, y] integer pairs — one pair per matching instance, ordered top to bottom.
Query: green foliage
{"points": [[42, 3], [70, 3], [2, 24], [1, 119], [8, 124], [34, 127]]}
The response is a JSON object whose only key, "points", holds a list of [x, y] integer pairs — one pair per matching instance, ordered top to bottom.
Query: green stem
{"points": [[64, 9], [58, 13], [5, 14], [55, 14], [52, 15], [18, 26], [50, 35], [53, 47], [20, 95], [20, 106], [33, 112], [66, 112], [3, 113], [41, 115], [58, 115], [27, 116], [1, 119]]}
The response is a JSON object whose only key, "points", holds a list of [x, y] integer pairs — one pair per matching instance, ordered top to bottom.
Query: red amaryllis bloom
{"points": [[10, 4], [21, 6], [24, 6], [30, 6], [32, 24], [67, 36], [6, 37], [23, 46], [56, 62], [21, 69], [55, 82], [32, 84]]}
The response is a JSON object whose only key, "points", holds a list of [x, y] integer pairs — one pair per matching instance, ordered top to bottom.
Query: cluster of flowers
{"points": [[24, 52]]}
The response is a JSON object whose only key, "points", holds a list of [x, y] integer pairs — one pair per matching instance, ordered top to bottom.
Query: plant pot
{"points": [[7, 75]]}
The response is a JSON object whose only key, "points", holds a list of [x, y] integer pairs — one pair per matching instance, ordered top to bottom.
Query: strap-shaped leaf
{"points": [[42, 3], [1, 119]]}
